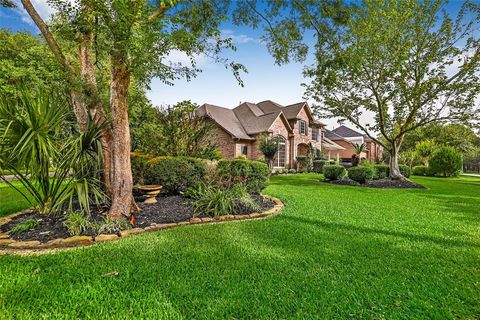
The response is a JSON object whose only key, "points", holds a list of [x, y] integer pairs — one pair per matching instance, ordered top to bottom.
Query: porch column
{"points": [[329, 154], [338, 157]]}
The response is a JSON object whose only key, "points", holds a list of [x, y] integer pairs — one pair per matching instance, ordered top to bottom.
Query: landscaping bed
{"points": [[380, 183], [168, 209]]}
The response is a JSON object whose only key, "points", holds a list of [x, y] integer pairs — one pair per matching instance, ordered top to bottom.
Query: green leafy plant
{"points": [[269, 147], [446, 161], [138, 162], [318, 165], [405, 170], [419, 170], [292, 171], [334, 171], [381, 171], [361, 173], [253, 174], [218, 201], [77, 223], [25, 225], [110, 225]]}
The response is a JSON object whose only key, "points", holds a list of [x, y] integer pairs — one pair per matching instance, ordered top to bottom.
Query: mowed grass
{"points": [[10, 200], [334, 252]]}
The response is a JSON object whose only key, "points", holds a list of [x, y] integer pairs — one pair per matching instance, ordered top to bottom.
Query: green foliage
{"points": [[32, 139], [269, 147], [359, 148], [425, 149], [446, 162], [139, 165], [318, 165], [405, 170], [419, 170], [292, 171], [334, 171], [382, 171], [361, 173], [175, 174], [254, 174], [218, 201], [77, 223], [25, 225], [110, 225]]}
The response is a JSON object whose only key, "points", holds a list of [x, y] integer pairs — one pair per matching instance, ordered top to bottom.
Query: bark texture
{"points": [[122, 173], [395, 173]]}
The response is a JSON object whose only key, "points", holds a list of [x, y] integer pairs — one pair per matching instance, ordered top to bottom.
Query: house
{"points": [[237, 130], [345, 137]]}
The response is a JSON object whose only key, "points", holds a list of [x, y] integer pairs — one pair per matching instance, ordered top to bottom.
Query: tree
{"points": [[135, 36], [406, 63], [269, 147], [425, 150]]}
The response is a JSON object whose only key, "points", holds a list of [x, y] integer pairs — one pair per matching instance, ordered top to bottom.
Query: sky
{"points": [[215, 85]]}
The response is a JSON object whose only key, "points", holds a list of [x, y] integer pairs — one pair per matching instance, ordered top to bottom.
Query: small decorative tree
{"points": [[269, 147], [359, 148], [425, 150]]}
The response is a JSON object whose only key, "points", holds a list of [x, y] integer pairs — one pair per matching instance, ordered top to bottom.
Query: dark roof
{"points": [[249, 118], [347, 132], [332, 135]]}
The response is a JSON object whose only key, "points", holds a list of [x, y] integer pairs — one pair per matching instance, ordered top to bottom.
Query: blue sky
{"points": [[215, 85]]}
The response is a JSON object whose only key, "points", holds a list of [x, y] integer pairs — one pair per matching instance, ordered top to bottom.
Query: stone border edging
{"points": [[9, 245]]}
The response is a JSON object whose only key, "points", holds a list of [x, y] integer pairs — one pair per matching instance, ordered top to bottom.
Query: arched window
{"points": [[281, 156]]}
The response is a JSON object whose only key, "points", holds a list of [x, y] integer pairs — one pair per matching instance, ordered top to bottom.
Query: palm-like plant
{"points": [[32, 141], [269, 147], [359, 148]]}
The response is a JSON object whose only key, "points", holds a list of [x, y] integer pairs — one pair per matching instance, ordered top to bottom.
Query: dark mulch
{"points": [[381, 183], [168, 209]]}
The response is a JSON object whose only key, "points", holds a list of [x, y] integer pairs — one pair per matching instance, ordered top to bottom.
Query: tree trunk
{"points": [[95, 107], [395, 173], [122, 174]]}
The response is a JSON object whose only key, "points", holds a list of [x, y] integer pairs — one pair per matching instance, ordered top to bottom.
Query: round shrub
{"points": [[138, 162], [446, 162], [318, 165], [404, 170], [420, 170], [292, 171], [333, 171], [382, 171], [253, 173], [360, 173], [175, 174]]}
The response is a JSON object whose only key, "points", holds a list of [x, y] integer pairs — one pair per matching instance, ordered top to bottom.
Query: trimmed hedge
{"points": [[446, 162], [139, 164], [405, 170], [419, 170], [333, 171], [382, 171], [361, 173], [175, 174], [254, 174]]}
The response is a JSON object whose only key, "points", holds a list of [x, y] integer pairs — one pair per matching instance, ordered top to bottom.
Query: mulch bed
{"points": [[381, 183], [168, 209]]}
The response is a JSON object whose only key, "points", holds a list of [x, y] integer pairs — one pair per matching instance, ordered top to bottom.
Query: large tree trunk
{"points": [[95, 107], [122, 173], [395, 173]]}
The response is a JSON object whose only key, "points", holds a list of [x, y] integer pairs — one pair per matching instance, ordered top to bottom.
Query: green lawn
{"points": [[10, 200], [335, 252]]}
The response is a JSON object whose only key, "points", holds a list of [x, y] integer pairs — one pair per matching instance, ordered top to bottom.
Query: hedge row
{"points": [[176, 174]]}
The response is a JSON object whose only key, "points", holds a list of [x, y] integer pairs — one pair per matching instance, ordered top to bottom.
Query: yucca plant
{"points": [[32, 140]]}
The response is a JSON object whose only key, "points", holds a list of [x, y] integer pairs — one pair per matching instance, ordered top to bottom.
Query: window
{"points": [[303, 127], [315, 134], [244, 149], [280, 157]]}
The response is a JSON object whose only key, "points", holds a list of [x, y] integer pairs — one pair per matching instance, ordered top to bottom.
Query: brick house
{"points": [[237, 130], [345, 137]]}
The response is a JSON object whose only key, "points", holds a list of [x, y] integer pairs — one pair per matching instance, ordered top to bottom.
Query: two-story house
{"points": [[237, 130]]}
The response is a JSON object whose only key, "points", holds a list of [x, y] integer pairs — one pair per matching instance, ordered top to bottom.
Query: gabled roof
{"points": [[249, 119], [346, 132], [332, 135], [330, 145]]}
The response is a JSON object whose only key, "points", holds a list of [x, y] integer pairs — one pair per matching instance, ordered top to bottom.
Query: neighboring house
{"points": [[237, 130], [345, 137]]}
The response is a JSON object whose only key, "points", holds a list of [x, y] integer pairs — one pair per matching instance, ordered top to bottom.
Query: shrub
{"points": [[446, 162], [139, 165], [318, 165], [405, 170], [420, 170], [292, 171], [334, 171], [382, 171], [360, 173], [175, 174], [253, 174], [217, 201], [77, 223], [25, 225], [110, 225]]}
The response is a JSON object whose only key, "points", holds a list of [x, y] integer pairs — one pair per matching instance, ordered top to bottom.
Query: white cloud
{"points": [[42, 7], [238, 38], [180, 57]]}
